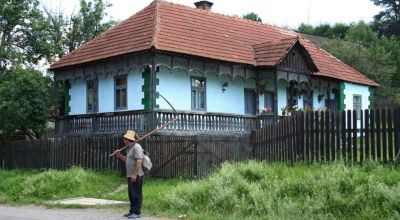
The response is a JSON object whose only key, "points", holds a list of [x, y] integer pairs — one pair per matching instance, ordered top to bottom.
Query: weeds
{"points": [[249, 190], [259, 191]]}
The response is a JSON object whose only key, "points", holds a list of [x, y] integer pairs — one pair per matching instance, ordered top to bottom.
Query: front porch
{"points": [[144, 121]]}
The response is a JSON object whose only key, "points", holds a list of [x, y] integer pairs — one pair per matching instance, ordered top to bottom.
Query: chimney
{"points": [[205, 5]]}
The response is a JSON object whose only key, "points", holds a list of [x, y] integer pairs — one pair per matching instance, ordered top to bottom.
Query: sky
{"points": [[282, 13]]}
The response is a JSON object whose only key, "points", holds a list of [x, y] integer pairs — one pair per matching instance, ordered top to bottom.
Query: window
{"points": [[120, 92], [198, 93], [92, 96], [291, 97], [308, 100], [269, 101], [249, 102], [331, 104], [357, 105]]}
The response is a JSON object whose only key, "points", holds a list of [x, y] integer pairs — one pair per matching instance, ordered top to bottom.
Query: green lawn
{"points": [[249, 190]]}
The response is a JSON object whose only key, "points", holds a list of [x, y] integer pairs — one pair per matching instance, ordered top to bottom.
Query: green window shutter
{"points": [[342, 96]]}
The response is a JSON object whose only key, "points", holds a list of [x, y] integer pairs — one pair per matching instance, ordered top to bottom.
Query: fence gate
{"points": [[194, 155]]}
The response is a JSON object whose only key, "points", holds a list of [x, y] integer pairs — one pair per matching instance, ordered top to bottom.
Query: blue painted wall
{"points": [[176, 87], [106, 94], [135, 94], [282, 96], [78, 97]]}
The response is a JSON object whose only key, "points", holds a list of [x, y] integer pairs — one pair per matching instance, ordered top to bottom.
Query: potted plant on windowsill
{"points": [[284, 110], [290, 110], [266, 111]]}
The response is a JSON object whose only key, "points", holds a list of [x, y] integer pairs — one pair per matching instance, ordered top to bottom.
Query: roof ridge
{"points": [[234, 17], [156, 23], [277, 40], [89, 42], [335, 58]]}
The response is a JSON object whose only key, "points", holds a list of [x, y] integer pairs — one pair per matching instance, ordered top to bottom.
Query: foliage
{"points": [[252, 16], [387, 21], [87, 24], [338, 30], [70, 32], [23, 34], [28, 37], [376, 57], [24, 101], [39, 186], [27, 187], [250, 190], [259, 191]]}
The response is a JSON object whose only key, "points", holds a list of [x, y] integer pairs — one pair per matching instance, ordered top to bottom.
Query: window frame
{"points": [[120, 88], [197, 89], [247, 90], [95, 96], [292, 99], [308, 99], [273, 100], [355, 105]]}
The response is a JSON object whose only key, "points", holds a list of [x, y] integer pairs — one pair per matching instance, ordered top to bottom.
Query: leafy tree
{"points": [[252, 16], [387, 22], [87, 24], [306, 29], [338, 30], [70, 32], [23, 33], [29, 35], [374, 56], [24, 101]]}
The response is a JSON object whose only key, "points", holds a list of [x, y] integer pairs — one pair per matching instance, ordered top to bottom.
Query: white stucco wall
{"points": [[351, 89], [106, 94]]}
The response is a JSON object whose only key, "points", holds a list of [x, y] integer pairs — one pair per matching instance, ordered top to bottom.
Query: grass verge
{"points": [[248, 190]]}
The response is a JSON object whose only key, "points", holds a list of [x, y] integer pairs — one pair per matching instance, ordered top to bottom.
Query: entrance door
{"points": [[249, 102]]}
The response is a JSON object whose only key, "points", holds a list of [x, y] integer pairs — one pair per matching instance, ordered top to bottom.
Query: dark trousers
{"points": [[135, 194]]}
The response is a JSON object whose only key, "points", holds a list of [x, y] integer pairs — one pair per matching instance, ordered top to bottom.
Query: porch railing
{"points": [[143, 121]]}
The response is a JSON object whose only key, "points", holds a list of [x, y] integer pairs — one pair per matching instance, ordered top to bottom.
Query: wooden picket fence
{"points": [[331, 136], [311, 137], [173, 155]]}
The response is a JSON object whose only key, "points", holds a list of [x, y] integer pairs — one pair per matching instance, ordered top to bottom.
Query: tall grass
{"points": [[26, 187], [248, 190], [255, 190]]}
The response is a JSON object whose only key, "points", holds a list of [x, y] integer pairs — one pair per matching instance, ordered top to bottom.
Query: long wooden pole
{"points": [[146, 135]]}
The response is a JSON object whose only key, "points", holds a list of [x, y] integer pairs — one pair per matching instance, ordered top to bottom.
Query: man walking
{"points": [[134, 173]]}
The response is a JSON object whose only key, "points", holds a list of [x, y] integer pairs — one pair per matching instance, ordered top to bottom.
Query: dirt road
{"points": [[35, 212]]}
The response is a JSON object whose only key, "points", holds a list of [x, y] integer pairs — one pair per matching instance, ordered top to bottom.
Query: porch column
{"points": [[153, 82], [257, 93], [276, 94], [309, 95], [153, 96], [328, 97]]}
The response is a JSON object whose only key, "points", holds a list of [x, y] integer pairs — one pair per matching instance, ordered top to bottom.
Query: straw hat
{"points": [[131, 135]]}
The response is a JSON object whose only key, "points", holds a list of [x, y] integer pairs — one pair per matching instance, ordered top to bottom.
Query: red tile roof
{"points": [[181, 29], [271, 52]]}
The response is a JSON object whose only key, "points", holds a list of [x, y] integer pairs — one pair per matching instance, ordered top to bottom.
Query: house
{"points": [[217, 70]]}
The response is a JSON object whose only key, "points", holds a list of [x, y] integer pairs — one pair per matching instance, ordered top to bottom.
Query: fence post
{"points": [[195, 143], [2, 154]]}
